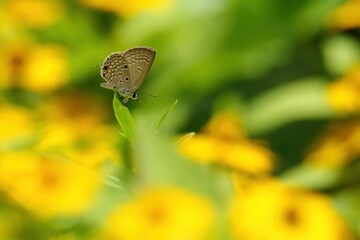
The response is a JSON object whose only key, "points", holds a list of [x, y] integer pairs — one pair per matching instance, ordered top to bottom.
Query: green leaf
{"points": [[340, 54], [300, 100], [165, 115], [124, 119], [185, 137], [159, 163], [311, 177]]}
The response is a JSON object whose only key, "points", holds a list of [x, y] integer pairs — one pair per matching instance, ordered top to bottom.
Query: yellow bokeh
{"points": [[129, 8], [35, 13], [346, 16], [13, 56], [38, 68], [46, 69], [343, 94], [343, 97], [16, 124], [226, 126], [73, 131], [223, 142], [339, 145], [201, 148], [95, 154], [246, 156], [63, 160], [67, 171], [47, 186], [268, 210], [162, 214]]}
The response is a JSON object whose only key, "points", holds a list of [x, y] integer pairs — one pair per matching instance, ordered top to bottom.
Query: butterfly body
{"points": [[124, 72]]}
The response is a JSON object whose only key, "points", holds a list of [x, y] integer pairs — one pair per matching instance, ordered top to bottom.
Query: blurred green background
{"points": [[268, 90]]}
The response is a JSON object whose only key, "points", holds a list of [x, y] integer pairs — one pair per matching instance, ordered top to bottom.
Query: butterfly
{"points": [[124, 72]]}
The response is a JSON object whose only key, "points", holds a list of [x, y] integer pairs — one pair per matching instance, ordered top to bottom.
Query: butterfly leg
{"points": [[125, 100]]}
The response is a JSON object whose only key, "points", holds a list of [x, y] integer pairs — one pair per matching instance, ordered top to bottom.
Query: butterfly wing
{"points": [[139, 62], [116, 72]]}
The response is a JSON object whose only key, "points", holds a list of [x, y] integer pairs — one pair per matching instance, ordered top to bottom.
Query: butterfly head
{"points": [[126, 94], [134, 95]]}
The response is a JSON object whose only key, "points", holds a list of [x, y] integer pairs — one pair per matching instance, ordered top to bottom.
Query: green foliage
{"points": [[270, 62], [165, 115], [124, 119]]}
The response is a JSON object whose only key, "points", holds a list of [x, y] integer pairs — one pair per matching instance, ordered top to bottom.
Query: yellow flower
{"points": [[128, 8], [35, 13], [346, 16], [8, 27], [13, 56], [38, 68], [45, 69], [343, 94], [343, 97], [77, 105], [16, 125], [226, 126], [72, 129], [57, 136], [78, 141], [223, 142], [339, 146], [201, 148], [70, 154], [94, 154], [47, 186], [271, 210], [162, 214]]}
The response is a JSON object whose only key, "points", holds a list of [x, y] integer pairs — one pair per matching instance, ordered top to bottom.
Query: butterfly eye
{"points": [[105, 67], [134, 95]]}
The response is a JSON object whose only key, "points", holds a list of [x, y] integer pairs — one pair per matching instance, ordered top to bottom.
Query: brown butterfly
{"points": [[124, 72]]}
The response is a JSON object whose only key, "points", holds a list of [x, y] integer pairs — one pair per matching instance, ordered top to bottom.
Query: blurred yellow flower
{"points": [[129, 8], [35, 13], [346, 16], [7, 26], [13, 55], [38, 68], [45, 69], [344, 94], [76, 104], [16, 125], [226, 126], [74, 128], [57, 136], [67, 137], [223, 141], [339, 145], [94, 154], [47, 186], [268, 210], [162, 214]]}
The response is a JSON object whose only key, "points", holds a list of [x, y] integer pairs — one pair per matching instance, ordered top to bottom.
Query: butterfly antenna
{"points": [[98, 65], [148, 94]]}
